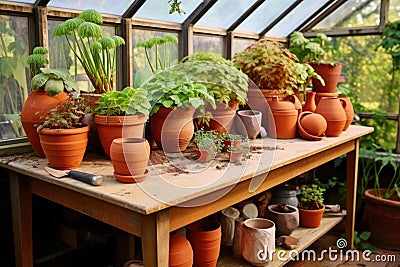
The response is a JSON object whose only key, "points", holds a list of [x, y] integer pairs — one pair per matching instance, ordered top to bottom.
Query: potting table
{"points": [[170, 198]]}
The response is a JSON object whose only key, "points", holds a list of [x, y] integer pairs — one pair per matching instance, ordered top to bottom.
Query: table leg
{"points": [[351, 192], [21, 203], [155, 239]]}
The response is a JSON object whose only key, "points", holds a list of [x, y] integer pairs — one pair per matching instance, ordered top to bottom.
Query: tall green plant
{"points": [[96, 53]]}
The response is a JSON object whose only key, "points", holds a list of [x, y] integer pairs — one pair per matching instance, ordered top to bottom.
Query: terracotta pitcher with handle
{"points": [[332, 108]]}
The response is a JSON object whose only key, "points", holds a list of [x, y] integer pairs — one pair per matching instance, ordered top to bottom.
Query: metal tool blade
{"points": [[81, 176]]}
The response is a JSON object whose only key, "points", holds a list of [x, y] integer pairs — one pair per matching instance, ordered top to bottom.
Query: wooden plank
{"points": [[7, 6], [42, 31], [21, 204], [306, 236], [155, 239]]}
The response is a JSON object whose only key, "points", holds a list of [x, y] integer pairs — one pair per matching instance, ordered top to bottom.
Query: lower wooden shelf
{"points": [[306, 236]]}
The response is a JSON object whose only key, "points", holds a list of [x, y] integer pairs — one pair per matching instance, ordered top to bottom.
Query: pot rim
{"points": [[47, 131], [129, 140], [370, 196], [270, 208], [263, 220]]}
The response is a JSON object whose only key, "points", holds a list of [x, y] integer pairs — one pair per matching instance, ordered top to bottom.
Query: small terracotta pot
{"points": [[329, 73], [310, 104], [35, 107], [332, 108], [349, 112], [251, 120], [112, 127], [172, 129], [228, 143], [64, 148], [203, 155], [235, 156], [129, 157], [311, 218], [285, 222], [205, 238], [258, 241], [180, 251]]}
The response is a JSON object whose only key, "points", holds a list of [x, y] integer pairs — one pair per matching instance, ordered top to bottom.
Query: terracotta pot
{"points": [[330, 74], [319, 95], [296, 101], [310, 104], [37, 105], [332, 108], [349, 112], [222, 118], [251, 120], [282, 124], [311, 126], [112, 127], [172, 129], [228, 143], [64, 149], [203, 155], [235, 156], [129, 157], [383, 215], [311, 218], [285, 222], [205, 238], [258, 241], [180, 251]]}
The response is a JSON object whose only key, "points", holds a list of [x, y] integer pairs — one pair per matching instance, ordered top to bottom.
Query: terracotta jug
{"points": [[296, 101], [310, 104], [332, 108], [349, 112], [282, 120]]}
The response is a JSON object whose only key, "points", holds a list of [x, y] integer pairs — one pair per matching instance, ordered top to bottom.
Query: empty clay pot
{"points": [[332, 108], [251, 120], [313, 123], [285, 222]]}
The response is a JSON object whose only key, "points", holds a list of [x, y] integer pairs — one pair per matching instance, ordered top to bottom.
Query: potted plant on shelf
{"points": [[96, 53], [321, 56], [224, 82], [49, 88], [175, 99], [121, 114], [63, 135], [208, 145], [382, 203], [311, 207]]}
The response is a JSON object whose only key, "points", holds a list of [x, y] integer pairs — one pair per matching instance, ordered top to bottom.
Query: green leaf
{"points": [[38, 81], [365, 235]]}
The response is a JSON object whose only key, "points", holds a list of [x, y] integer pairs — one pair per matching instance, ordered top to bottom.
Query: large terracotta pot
{"points": [[330, 73], [37, 105], [332, 108], [349, 112], [222, 118], [283, 121], [112, 127], [172, 129], [64, 148], [129, 157], [383, 216], [311, 218], [286, 222], [205, 238], [258, 241], [180, 251]]}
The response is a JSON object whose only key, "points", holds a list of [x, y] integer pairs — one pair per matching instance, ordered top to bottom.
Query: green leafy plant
{"points": [[317, 50], [96, 53], [37, 59], [269, 65], [305, 73], [54, 81], [172, 89], [129, 101], [68, 114], [231, 137], [207, 140], [311, 197]]}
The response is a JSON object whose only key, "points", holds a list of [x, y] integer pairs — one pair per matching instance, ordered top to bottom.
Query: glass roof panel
{"points": [[24, 1], [103, 6], [159, 10], [223, 13], [353, 13], [264, 15], [296, 17]]}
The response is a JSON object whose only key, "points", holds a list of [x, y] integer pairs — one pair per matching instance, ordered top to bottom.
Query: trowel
{"points": [[81, 176]]}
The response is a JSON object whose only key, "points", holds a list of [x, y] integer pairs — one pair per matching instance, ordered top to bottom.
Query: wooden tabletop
{"points": [[180, 179]]}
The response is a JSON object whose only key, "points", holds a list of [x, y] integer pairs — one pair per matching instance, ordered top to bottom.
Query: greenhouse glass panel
{"points": [[24, 1], [103, 6], [159, 10], [394, 10], [224, 13], [353, 13], [264, 15], [296, 17], [208, 44], [239, 44], [61, 56], [141, 67], [14, 74]]}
